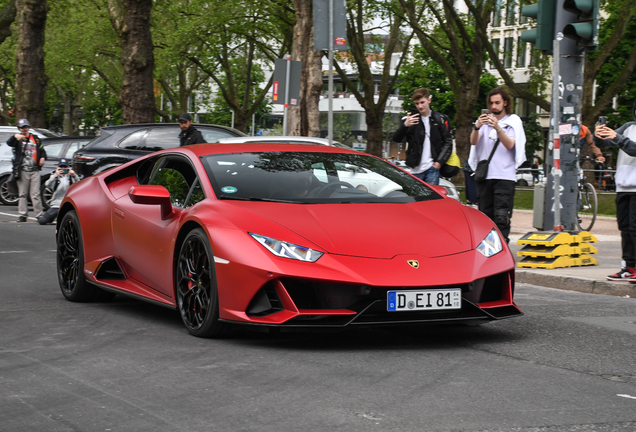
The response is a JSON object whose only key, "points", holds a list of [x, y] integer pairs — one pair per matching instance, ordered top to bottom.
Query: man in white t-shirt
{"points": [[503, 129]]}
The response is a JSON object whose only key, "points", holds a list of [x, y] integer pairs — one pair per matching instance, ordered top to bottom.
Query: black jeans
{"points": [[496, 199], [48, 216], [626, 218]]}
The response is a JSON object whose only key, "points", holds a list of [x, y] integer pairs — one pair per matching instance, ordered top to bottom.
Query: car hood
{"points": [[431, 228]]}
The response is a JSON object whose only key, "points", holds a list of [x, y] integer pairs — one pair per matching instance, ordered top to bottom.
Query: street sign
{"points": [[321, 25], [280, 75]]}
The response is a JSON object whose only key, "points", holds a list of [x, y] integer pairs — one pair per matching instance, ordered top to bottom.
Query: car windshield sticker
{"points": [[229, 189]]}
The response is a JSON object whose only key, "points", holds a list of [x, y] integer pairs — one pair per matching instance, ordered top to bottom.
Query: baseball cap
{"points": [[185, 117], [23, 122], [63, 162]]}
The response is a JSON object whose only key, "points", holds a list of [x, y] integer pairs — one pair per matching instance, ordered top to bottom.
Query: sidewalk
{"points": [[589, 279]]}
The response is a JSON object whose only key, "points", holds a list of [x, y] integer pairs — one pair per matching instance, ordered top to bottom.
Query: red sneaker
{"points": [[626, 274]]}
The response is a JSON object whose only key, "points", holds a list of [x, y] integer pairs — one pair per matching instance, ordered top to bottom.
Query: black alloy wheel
{"points": [[5, 198], [70, 262], [196, 289]]}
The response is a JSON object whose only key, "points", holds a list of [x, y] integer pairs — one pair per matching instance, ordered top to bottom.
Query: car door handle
{"points": [[119, 213]]}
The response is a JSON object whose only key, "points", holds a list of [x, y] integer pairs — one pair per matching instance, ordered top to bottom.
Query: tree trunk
{"points": [[131, 21], [30, 80], [304, 118], [375, 135]]}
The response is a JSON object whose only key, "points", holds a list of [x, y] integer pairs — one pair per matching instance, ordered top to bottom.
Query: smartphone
{"points": [[414, 111], [484, 111], [602, 120], [65, 171]]}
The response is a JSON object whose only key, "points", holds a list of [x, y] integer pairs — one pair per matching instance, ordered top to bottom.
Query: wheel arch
{"points": [[66, 207]]}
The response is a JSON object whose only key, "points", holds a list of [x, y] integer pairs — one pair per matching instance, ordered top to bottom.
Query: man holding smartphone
{"points": [[427, 133], [498, 135], [625, 139], [28, 159], [59, 182]]}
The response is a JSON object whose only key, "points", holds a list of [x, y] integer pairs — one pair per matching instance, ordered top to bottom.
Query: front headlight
{"points": [[491, 245], [287, 250]]}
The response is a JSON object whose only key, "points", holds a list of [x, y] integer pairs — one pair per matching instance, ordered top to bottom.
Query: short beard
{"points": [[496, 112]]}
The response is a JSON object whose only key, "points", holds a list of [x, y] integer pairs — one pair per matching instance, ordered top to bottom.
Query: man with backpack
{"points": [[427, 133]]}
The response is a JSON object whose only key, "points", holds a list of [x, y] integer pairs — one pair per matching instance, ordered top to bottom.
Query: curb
{"points": [[584, 285]]}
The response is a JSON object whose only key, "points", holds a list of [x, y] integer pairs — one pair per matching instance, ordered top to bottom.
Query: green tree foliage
{"points": [[614, 66]]}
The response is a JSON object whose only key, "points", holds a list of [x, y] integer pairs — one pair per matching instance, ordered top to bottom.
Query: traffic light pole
{"points": [[560, 209]]}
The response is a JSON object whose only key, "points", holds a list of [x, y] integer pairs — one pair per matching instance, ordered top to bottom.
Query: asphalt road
{"points": [[569, 364]]}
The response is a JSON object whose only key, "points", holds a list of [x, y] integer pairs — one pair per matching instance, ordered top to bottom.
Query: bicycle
{"points": [[587, 206]]}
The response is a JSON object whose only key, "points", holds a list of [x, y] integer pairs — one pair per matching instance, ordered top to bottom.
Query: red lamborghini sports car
{"points": [[283, 235]]}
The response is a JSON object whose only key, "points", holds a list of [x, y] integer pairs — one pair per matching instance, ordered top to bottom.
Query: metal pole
{"points": [[287, 72], [330, 114], [253, 125], [555, 132]]}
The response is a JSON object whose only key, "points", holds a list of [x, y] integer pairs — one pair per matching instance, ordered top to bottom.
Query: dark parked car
{"points": [[117, 145]]}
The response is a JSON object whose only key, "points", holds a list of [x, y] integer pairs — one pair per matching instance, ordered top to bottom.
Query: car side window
{"points": [[213, 135], [161, 138], [133, 141], [53, 151], [180, 179], [176, 184]]}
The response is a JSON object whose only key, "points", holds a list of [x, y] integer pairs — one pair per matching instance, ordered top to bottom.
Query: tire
{"points": [[522, 182], [4, 193], [46, 195], [587, 207], [70, 263], [196, 289]]}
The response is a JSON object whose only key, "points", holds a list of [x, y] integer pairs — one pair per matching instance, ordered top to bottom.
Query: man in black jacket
{"points": [[189, 134], [430, 143], [28, 159]]}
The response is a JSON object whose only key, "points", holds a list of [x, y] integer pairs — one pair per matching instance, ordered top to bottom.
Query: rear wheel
{"points": [[4, 193], [46, 195], [587, 207], [196, 289]]}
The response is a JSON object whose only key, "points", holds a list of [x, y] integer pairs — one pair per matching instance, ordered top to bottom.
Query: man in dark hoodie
{"points": [[189, 134], [625, 139]]}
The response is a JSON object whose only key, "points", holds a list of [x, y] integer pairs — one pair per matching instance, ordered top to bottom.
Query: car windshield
{"points": [[306, 177]]}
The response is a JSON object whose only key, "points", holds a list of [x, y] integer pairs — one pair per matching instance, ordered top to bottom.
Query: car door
{"points": [[145, 241]]}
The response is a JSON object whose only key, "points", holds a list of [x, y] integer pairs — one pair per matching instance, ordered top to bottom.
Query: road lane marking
{"points": [[7, 252], [626, 396]]}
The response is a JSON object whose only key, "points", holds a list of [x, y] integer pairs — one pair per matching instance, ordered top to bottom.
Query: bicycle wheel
{"points": [[586, 213]]}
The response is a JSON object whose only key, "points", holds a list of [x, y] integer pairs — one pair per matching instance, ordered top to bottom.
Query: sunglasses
{"points": [[24, 127]]}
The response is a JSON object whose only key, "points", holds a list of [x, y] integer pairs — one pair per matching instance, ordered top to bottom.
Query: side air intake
{"points": [[110, 270]]}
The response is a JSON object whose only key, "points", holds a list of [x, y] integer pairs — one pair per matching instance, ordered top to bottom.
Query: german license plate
{"points": [[419, 300]]}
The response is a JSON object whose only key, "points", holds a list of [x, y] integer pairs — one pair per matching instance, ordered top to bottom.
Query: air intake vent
{"points": [[110, 270], [265, 302]]}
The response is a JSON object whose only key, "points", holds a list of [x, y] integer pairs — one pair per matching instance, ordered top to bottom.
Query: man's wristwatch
{"points": [[475, 127]]}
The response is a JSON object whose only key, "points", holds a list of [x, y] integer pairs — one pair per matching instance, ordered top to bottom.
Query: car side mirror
{"points": [[439, 189], [153, 195]]}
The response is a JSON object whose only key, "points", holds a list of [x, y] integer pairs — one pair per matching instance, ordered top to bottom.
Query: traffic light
{"points": [[585, 29], [543, 36]]}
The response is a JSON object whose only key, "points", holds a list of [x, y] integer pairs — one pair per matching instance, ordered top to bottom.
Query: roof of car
{"points": [[142, 125], [282, 140], [220, 148]]}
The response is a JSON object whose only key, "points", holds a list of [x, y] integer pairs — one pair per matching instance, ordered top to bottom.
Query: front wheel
{"points": [[587, 207], [70, 261], [196, 289]]}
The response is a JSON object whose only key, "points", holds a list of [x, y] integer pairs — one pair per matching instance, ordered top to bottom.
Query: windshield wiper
{"points": [[243, 198]]}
